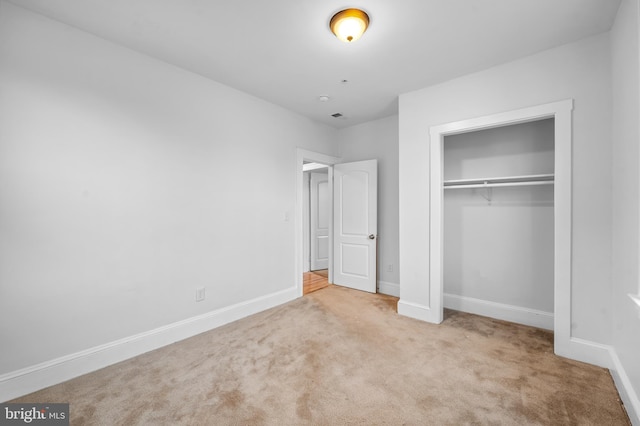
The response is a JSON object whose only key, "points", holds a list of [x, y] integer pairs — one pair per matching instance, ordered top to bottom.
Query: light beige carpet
{"points": [[340, 356]]}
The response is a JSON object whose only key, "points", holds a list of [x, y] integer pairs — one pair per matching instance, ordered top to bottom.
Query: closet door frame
{"points": [[561, 111]]}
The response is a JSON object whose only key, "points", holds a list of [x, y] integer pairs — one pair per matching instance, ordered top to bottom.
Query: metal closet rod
{"points": [[544, 179], [494, 185]]}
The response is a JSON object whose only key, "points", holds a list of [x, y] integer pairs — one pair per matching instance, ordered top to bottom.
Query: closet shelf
{"points": [[491, 182]]}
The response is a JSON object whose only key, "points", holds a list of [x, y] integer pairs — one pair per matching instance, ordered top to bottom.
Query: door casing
{"points": [[564, 343]]}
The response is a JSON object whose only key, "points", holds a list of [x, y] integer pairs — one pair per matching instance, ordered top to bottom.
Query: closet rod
{"points": [[500, 179], [494, 185]]}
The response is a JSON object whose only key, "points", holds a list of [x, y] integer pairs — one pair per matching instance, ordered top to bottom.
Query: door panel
{"points": [[354, 203], [355, 224], [355, 260]]}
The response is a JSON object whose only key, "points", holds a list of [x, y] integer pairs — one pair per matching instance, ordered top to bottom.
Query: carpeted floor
{"points": [[339, 356]]}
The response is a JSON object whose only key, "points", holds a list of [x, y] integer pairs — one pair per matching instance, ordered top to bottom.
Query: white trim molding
{"points": [[561, 111], [390, 289], [418, 311], [517, 314], [586, 351], [49, 373], [625, 388]]}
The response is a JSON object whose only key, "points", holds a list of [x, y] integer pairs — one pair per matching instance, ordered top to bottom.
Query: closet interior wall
{"points": [[499, 240]]}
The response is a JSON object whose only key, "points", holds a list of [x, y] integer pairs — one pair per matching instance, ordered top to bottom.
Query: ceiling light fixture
{"points": [[349, 24]]}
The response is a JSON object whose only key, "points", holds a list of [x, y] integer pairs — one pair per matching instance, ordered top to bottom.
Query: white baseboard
{"points": [[391, 289], [500, 311], [419, 312], [573, 347], [583, 350], [49, 373], [625, 389]]}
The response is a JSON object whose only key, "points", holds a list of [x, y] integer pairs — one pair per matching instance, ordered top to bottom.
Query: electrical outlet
{"points": [[390, 267], [199, 294]]}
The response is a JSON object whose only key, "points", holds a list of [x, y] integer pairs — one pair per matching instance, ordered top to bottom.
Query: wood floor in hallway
{"points": [[315, 280]]}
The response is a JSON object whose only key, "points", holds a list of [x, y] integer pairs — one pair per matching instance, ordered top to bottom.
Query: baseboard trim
{"points": [[391, 289], [501, 311], [420, 312], [584, 351], [605, 356], [49, 373], [625, 389]]}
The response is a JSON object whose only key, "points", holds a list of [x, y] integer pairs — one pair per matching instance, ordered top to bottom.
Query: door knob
{"points": [[372, 237]]}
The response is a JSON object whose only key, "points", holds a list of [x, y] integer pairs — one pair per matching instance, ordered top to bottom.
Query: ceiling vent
{"points": [[336, 115]]}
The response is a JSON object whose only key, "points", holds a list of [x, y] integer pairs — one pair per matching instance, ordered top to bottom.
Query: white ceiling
{"points": [[283, 51]]}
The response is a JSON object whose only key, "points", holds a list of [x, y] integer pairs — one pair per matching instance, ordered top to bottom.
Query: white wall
{"points": [[580, 71], [379, 139], [518, 149], [125, 184], [625, 189], [500, 250]]}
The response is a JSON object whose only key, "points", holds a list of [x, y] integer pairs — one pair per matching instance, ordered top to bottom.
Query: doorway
{"points": [[303, 210], [317, 211], [352, 236]]}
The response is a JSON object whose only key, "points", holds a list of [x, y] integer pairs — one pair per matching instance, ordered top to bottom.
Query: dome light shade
{"points": [[349, 24]]}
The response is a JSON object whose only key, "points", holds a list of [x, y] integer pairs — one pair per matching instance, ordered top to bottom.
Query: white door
{"points": [[355, 200], [320, 217]]}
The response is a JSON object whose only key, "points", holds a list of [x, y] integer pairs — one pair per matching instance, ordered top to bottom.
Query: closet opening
{"points": [[494, 207], [498, 230]]}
